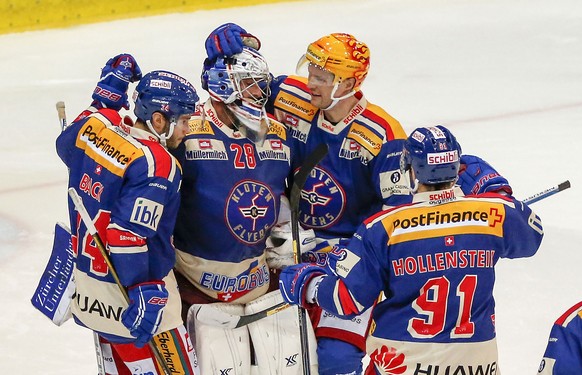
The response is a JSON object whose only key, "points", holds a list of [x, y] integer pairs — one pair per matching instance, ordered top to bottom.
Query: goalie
{"points": [[235, 162]]}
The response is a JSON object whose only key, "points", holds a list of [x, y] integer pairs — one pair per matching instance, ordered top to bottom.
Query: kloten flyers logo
{"points": [[322, 200], [250, 211]]}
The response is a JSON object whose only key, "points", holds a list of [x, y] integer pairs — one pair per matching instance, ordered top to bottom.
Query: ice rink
{"points": [[504, 75]]}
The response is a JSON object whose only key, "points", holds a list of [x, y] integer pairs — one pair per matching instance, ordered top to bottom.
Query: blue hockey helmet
{"points": [[164, 92], [167, 93], [433, 153]]}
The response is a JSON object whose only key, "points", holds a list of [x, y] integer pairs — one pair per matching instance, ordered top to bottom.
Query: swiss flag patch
{"points": [[449, 241]]}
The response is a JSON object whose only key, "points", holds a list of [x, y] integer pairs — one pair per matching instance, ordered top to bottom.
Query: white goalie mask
{"points": [[242, 83]]}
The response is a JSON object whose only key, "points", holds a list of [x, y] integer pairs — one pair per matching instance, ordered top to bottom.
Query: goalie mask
{"points": [[242, 83], [166, 93], [433, 153]]}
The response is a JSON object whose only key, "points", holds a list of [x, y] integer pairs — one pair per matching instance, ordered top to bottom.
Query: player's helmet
{"points": [[341, 54], [223, 79], [164, 92], [167, 93], [433, 153]]}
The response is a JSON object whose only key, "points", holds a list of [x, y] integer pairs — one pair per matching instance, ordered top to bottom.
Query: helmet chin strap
{"points": [[335, 100], [162, 137]]}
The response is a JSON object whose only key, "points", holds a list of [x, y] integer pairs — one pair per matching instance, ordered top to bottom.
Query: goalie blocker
{"points": [[56, 286]]}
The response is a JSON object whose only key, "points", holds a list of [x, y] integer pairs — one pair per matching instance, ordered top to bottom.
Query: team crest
{"points": [[322, 200], [250, 211]]}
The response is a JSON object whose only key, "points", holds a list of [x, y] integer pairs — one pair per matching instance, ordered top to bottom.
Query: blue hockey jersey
{"points": [[362, 169], [129, 184], [230, 200], [434, 261], [563, 354]]}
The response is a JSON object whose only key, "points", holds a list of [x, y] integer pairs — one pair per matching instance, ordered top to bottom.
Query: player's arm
{"points": [[228, 39], [110, 92], [476, 176], [390, 183], [141, 223], [522, 229], [351, 282], [563, 354]]}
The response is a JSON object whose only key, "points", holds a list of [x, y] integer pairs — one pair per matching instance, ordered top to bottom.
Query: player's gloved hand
{"points": [[228, 39], [118, 72], [476, 176], [279, 249], [294, 282], [144, 313]]}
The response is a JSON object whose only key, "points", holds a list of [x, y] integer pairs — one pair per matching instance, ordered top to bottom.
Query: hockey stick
{"points": [[62, 114], [298, 182], [546, 193], [78, 202], [211, 316]]}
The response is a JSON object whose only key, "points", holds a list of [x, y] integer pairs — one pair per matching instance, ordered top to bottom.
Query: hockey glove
{"points": [[228, 40], [118, 72], [476, 176], [279, 249], [294, 282], [144, 313]]}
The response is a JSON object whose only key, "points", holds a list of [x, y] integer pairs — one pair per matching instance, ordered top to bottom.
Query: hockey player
{"points": [[236, 160], [359, 175], [130, 183], [433, 260], [563, 355]]}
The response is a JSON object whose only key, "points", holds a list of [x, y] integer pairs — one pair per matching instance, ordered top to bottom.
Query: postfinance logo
{"points": [[445, 220]]}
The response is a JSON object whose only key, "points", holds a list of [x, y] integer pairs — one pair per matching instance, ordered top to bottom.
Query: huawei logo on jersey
{"points": [[388, 360]]}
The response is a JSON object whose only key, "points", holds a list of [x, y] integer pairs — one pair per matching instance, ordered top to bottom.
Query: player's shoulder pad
{"points": [[291, 95], [198, 125], [277, 128], [393, 128], [160, 163], [381, 215], [571, 314]]}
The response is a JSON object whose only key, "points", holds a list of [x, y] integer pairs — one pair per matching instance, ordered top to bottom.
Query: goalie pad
{"points": [[56, 286], [276, 338], [220, 349]]}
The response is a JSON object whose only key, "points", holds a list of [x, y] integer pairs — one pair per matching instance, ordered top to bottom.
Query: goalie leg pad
{"points": [[276, 338], [220, 349]]}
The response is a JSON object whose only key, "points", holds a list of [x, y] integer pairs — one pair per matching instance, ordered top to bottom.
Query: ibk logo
{"points": [[93, 189], [147, 213]]}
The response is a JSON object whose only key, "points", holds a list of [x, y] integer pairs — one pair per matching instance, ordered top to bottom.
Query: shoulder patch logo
{"points": [[146, 213]]}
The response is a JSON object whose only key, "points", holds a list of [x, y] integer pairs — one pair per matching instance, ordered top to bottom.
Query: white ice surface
{"points": [[504, 75]]}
